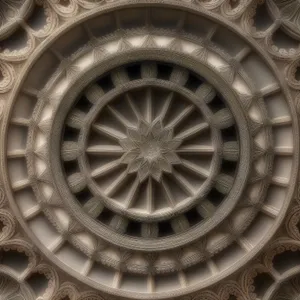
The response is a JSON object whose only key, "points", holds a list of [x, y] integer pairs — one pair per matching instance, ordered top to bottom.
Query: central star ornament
{"points": [[150, 150]]}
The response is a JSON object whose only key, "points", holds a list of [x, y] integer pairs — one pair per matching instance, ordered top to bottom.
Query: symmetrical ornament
{"points": [[149, 150]]}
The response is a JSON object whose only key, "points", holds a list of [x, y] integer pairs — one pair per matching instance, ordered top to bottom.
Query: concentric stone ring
{"points": [[151, 146], [146, 158], [223, 183]]}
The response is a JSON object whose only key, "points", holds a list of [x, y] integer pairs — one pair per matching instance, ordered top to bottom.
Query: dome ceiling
{"points": [[149, 149]]}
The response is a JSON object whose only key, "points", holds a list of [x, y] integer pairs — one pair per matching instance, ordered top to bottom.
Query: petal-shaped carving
{"points": [[69, 9], [11, 12], [50, 19], [9, 51], [7, 76], [144, 127], [156, 128], [134, 134], [127, 144], [171, 145], [129, 156], [172, 157], [135, 164], [165, 165], [144, 171], [155, 171], [7, 225], [66, 290]]}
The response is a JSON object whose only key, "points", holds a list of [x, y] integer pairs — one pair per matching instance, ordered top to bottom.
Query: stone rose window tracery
{"points": [[149, 149]]}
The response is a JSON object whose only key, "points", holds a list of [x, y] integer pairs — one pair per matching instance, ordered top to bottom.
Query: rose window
{"points": [[149, 150]]}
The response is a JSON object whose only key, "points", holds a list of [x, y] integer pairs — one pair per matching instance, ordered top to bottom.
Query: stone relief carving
{"points": [[149, 149]]}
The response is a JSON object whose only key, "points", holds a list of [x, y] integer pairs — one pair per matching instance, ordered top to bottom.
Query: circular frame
{"points": [[295, 156], [128, 242]]}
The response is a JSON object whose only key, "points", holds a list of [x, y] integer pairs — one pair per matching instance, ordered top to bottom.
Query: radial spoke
{"points": [[118, 20], [181, 21], [87, 30], [212, 31], [56, 53], [243, 53], [149, 70], [179, 75], [119, 77], [270, 89], [31, 92], [94, 93], [166, 105], [133, 107], [149, 108], [184, 114], [119, 117], [223, 118], [76, 119], [284, 120], [20, 121], [108, 131], [193, 131], [195, 149], [105, 150], [283, 150], [16, 153], [107, 168], [195, 168], [280, 181], [224, 183], [21, 184], [116, 185], [185, 185], [132, 193], [168, 193], [150, 204], [93, 207], [206, 209], [270, 211], [32, 212], [119, 223], [180, 224], [149, 230], [57, 244], [245, 244], [87, 267], [212, 267], [182, 278], [117, 279], [151, 283]]}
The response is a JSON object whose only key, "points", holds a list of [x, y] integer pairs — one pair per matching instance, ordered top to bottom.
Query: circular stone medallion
{"points": [[149, 162]]}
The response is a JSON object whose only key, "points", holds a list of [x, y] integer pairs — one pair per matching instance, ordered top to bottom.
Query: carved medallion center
{"points": [[150, 150]]}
